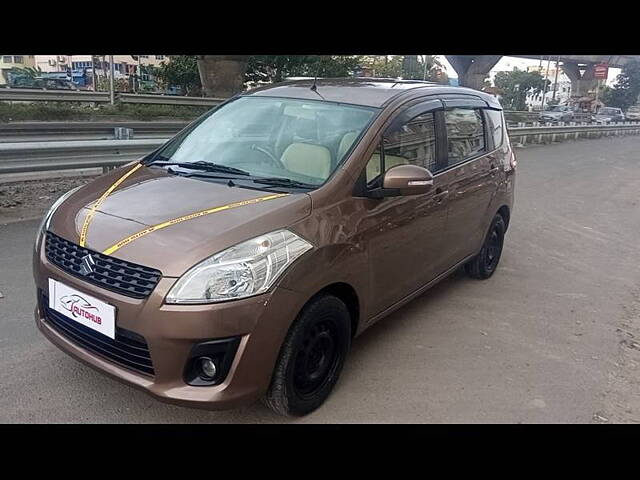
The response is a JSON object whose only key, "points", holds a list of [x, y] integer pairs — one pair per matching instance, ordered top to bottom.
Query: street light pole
{"points": [[112, 71], [546, 76], [94, 79], [555, 82]]}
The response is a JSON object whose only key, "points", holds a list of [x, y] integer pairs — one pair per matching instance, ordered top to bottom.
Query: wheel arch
{"points": [[506, 215], [349, 296]]}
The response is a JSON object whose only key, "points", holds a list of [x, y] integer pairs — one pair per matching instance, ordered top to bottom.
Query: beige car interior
{"points": [[307, 159], [315, 160], [373, 167]]}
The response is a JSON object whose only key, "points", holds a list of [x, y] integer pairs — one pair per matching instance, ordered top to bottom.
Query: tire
{"points": [[483, 265], [311, 357]]}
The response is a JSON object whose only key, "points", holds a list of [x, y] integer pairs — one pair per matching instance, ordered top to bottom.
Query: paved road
{"points": [[552, 337]]}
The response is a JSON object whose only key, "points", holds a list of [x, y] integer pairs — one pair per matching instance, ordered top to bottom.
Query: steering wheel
{"points": [[271, 156]]}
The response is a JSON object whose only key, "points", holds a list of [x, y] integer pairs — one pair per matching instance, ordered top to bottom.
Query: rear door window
{"points": [[465, 134]]}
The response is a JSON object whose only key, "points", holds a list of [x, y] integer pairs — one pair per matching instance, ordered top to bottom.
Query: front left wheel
{"points": [[311, 357]]}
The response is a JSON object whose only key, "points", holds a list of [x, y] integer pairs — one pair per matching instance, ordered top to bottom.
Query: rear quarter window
{"points": [[495, 127]]}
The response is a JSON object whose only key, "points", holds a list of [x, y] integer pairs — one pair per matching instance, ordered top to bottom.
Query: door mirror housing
{"points": [[403, 180]]}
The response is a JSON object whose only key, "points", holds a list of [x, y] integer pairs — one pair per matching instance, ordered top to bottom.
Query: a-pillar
{"points": [[473, 70]]}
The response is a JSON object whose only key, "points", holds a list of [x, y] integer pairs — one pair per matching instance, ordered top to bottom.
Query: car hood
{"points": [[151, 196]]}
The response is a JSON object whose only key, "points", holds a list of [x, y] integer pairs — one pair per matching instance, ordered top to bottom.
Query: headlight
{"points": [[46, 220], [246, 269]]}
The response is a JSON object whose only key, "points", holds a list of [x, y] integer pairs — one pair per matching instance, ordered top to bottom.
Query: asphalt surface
{"points": [[553, 336]]}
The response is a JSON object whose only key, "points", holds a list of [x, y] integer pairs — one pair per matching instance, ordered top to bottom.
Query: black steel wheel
{"points": [[484, 264], [311, 357]]}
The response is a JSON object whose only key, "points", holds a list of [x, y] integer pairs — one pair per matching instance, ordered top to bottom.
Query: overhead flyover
{"points": [[473, 69]]}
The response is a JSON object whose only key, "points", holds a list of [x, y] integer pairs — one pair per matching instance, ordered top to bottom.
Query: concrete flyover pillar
{"points": [[472, 70], [582, 77]]}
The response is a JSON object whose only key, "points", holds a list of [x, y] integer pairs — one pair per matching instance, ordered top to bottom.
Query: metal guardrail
{"points": [[43, 95], [155, 99], [68, 131], [540, 133], [44, 156], [17, 157]]}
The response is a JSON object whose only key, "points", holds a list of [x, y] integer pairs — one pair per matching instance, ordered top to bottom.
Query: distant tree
{"points": [[389, 66], [410, 67], [421, 67], [275, 68], [180, 71], [516, 84], [626, 91]]}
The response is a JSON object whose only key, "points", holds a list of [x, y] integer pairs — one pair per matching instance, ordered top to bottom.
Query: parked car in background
{"points": [[39, 82], [57, 84], [557, 113], [633, 113], [608, 114]]}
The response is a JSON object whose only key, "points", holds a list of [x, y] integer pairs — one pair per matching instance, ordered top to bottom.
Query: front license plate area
{"points": [[82, 308]]}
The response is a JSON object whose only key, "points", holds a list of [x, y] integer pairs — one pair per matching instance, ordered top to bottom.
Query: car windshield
{"points": [[555, 108], [634, 109], [607, 111], [300, 140]]}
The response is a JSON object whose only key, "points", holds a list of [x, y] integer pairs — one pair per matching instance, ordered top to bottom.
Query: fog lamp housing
{"points": [[209, 362]]}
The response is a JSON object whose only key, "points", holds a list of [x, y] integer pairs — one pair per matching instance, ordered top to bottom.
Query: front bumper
{"points": [[171, 331]]}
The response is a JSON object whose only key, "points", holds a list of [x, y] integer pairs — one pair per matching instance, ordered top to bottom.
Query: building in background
{"points": [[7, 62], [52, 63], [126, 67], [562, 88]]}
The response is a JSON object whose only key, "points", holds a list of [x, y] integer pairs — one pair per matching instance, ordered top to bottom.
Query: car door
{"points": [[470, 176], [404, 234]]}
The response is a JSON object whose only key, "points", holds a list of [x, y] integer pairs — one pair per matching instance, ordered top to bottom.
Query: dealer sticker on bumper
{"points": [[82, 308]]}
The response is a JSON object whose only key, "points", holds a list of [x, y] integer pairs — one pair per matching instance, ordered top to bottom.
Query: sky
{"points": [[507, 63]]}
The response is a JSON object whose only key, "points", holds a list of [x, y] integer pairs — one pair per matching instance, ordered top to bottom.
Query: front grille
{"points": [[111, 273], [129, 350]]}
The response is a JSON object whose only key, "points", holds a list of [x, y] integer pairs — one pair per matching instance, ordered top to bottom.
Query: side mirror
{"points": [[404, 180]]}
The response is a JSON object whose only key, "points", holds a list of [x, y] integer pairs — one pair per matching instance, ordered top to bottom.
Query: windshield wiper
{"points": [[202, 165], [283, 182]]}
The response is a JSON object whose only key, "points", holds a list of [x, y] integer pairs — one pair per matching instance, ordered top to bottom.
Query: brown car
{"points": [[241, 258]]}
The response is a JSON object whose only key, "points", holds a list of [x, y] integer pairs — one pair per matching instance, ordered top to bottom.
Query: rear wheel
{"points": [[484, 264], [311, 357]]}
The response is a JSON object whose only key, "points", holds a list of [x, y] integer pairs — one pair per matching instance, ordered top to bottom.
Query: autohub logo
{"points": [[79, 307]]}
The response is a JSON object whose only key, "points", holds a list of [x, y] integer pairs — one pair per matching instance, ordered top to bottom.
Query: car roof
{"points": [[366, 91]]}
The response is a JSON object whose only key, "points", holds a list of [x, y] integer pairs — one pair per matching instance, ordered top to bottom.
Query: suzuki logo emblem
{"points": [[88, 265]]}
